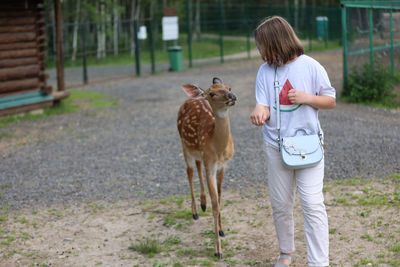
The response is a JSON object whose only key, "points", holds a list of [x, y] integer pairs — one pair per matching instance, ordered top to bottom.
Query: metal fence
{"points": [[371, 35], [108, 49]]}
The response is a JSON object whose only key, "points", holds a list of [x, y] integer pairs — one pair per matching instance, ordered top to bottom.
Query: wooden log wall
{"points": [[22, 47]]}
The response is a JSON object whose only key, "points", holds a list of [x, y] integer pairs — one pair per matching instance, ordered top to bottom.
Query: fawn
{"points": [[204, 128]]}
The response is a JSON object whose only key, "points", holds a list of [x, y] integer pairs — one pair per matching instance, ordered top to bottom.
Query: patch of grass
{"points": [[317, 45], [204, 48], [76, 101], [6, 135], [5, 186], [365, 213], [171, 219], [208, 233], [367, 237], [172, 240], [147, 246], [395, 248], [188, 252], [206, 263], [251, 263], [157, 264]]}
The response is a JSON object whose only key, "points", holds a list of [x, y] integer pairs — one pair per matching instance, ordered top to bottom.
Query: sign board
{"points": [[170, 29], [142, 34]]}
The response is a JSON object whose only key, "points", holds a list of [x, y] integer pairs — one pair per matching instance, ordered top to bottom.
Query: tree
{"points": [[76, 27]]}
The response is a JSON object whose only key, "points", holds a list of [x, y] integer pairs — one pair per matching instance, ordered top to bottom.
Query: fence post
{"points": [[248, 28], [310, 30], [326, 31], [189, 32], [371, 39], [151, 40], [221, 40], [344, 40], [391, 43], [83, 44], [137, 53]]}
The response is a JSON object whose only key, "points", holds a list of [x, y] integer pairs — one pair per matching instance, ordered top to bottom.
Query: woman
{"points": [[305, 88]]}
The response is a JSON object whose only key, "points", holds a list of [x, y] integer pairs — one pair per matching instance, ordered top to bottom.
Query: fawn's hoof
{"points": [[203, 207], [195, 216], [221, 233], [218, 255]]}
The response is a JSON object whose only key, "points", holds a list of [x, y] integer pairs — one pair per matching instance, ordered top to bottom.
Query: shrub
{"points": [[370, 85]]}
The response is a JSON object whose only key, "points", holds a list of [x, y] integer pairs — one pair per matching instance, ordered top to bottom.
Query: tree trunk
{"points": [[287, 10], [303, 14], [296, 15], [132, 17], [116, 19], [76, 27], [197, 28], [103, 29], [98, 32]]}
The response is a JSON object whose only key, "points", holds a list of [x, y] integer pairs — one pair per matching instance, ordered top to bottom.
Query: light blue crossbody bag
{"points": [[299, 151]]}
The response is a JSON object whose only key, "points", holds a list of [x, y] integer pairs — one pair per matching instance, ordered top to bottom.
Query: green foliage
{"points": [[372, 86], [147, 246]]}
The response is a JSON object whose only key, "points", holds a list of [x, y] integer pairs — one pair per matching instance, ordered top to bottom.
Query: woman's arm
{"points": [[316, 101], [259, 115]]}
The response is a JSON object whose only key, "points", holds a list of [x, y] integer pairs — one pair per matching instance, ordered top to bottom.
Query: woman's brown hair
{"points": [[277, 41]]}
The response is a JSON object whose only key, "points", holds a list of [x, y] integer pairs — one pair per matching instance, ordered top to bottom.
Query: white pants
{"points": [[282, 185]]}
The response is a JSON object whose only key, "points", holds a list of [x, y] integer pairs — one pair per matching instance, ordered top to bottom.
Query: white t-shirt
{"points": [[304, 74]]}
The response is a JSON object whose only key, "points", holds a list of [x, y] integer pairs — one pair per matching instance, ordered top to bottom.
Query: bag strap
{"points": [[278, 108], [278, 112]]}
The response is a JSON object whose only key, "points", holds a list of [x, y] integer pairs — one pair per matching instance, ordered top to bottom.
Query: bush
{"points": [[370, 85]]}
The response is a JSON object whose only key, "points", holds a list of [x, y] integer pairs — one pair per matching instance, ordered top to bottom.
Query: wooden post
{"points": [[59, 50]]}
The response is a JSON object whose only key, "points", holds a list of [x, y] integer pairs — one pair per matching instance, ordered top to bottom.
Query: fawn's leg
{"points": [[190, 171], [211, 172], [220, 177], [203, 199]]}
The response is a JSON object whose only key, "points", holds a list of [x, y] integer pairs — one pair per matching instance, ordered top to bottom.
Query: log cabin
{"points": [[23, 80]]}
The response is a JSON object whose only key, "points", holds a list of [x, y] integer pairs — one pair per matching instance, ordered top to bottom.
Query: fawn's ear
{"points": [[217, 80], [193, 90]]}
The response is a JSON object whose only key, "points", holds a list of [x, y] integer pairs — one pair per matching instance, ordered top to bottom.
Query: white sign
{"points": [[170, 29], [142, 34]]}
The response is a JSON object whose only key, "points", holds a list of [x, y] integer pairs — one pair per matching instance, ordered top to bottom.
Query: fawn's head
{"points": [[218, 95]]}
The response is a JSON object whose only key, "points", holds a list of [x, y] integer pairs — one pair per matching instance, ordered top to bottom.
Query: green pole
{"points": [[248, 28], [189, 32], [326, 33], [151, 40], [221, 40], [344, 40], [371, 40], [391, 43], [137, 53], [84, 63]]}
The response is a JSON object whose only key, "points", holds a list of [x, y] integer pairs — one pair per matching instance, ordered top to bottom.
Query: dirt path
{"points": [[363, 215]]}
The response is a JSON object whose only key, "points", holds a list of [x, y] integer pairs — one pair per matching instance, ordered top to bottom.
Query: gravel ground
{"points": [[132, 150]]}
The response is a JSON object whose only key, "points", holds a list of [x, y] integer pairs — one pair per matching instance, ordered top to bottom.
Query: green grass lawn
{"points": [[205, 48], [78, 100]]}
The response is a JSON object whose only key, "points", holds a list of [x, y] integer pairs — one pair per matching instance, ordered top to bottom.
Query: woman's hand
{"points": [[259, 115]]}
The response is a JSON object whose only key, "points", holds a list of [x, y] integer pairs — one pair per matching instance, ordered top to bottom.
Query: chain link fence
{"points": [[208, 33]]}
